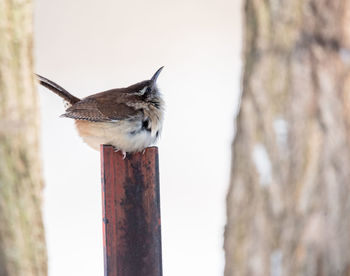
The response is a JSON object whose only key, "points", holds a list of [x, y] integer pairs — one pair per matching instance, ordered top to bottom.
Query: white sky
{"points": [[90, 46]]}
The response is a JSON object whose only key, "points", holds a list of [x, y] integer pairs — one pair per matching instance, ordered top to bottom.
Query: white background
{"points": [[91, 46]]}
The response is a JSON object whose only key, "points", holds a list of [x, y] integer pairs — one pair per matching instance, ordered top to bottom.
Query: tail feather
{"points": [[60, 91]]}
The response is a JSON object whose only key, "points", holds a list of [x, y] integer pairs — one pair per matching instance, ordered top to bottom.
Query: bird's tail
{"points": [[60, 91]]}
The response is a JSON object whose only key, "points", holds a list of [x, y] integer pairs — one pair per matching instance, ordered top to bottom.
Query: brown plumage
{"points": [[130, 119]]}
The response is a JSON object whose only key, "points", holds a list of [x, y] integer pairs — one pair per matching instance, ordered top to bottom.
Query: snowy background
{"points": [[91, 46]]}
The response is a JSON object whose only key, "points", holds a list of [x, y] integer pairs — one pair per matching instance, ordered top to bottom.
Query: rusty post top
{"points": [[133, 155]]}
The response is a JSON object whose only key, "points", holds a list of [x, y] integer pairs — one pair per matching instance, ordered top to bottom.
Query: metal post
{"points": [[131, 213]]}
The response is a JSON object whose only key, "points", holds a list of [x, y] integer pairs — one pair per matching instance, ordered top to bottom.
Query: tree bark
{"points": [[288, 205], [22, 241]]}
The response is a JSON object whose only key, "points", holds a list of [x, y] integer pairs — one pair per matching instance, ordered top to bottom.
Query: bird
{"points": [[130, 118]]}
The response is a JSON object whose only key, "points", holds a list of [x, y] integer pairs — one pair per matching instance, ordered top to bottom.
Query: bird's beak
{"points": [[155, 76]]}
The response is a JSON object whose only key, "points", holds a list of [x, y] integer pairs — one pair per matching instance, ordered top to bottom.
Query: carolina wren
{"points": [[130, 119]]}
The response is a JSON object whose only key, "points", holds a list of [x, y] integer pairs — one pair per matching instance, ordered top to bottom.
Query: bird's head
{"points": [[147, 88]]}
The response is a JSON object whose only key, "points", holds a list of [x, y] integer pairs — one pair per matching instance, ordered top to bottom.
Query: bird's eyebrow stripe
{"points": [[143, 90]]}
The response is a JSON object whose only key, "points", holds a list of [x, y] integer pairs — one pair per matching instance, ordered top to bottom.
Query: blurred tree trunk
{"points": [[288, 206], [22, 241]]}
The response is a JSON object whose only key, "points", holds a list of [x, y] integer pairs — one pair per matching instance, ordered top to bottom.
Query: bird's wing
{"points": [[103, 107]]}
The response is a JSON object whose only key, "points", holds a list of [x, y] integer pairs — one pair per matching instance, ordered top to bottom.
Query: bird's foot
{"points": [[123, 152]]}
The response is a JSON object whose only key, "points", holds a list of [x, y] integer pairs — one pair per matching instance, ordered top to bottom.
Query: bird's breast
{"points": [[125, 135]]}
